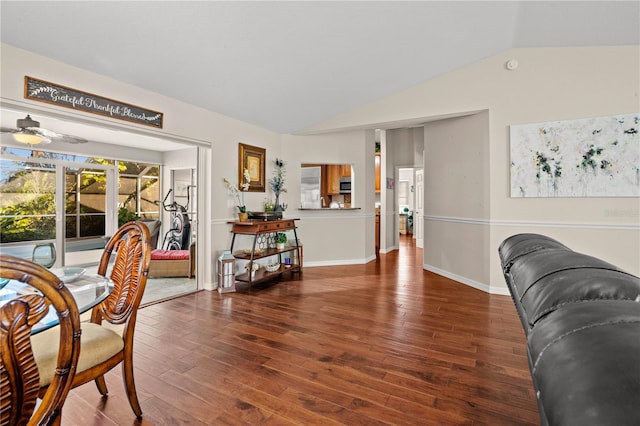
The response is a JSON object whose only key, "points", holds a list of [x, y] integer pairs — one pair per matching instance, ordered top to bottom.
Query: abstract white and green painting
{"points": [[590, 157]]}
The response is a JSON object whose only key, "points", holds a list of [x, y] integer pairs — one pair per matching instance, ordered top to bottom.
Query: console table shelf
{"points": [[262, 239]]}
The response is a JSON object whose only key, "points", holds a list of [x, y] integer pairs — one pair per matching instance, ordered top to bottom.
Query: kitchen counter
{"points": [[329, 208]]}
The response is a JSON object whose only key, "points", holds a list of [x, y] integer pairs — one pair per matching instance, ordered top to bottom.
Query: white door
{"points": [[418, 232]]}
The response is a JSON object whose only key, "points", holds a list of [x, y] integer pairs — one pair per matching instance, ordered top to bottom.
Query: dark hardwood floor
{"points": [[381, 343]]}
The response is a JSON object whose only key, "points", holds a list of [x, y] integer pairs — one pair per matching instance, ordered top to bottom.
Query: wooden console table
{"points": [[263, 246]]}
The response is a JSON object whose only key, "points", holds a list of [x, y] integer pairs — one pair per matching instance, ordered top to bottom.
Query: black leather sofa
{"points": [[581, 317]]}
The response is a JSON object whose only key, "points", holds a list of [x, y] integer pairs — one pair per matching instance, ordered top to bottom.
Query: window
{"points": [[30, 192]]}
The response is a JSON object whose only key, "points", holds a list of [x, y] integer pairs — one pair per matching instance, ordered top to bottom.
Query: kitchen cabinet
{"points": [[345, 170], [335, 172], [333, 179], [259, 242]]}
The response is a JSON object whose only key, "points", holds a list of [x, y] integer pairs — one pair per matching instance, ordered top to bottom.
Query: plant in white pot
{"points": [[238, 192], [281, 240], [252, 268]]}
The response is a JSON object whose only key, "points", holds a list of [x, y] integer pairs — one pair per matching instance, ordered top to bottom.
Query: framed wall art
{"points": [[591, 157], [252, 158], [390, 183]]}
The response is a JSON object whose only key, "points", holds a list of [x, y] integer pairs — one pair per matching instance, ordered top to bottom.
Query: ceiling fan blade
{"points": [[46, 133], [58, 137], [71, 139]]}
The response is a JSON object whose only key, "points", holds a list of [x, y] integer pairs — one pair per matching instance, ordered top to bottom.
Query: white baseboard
{"points": [[388, 249], [471, 283]]}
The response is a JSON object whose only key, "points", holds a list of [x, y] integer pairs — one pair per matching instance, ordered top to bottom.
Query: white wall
{"points": [[549, 84], [418, 146], [456, 198], [388, 217], [334, 236]]}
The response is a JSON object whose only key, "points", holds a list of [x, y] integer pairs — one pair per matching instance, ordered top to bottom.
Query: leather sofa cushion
{"points": [[522, 244], [528, 270], [577, 285], [586, 363]]}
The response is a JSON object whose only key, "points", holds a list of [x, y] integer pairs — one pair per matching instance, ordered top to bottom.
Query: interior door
{"points": [[418, 232]]}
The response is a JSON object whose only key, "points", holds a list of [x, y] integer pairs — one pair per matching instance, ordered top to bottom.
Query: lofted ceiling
{"points": [[288, 65]]}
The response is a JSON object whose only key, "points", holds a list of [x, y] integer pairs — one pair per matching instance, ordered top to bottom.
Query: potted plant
{"points": [[277, 183], [238, 193], [269, 206], [281, 240]]}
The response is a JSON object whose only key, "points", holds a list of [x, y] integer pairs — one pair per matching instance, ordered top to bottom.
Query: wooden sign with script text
{"points": [[56, 94]]}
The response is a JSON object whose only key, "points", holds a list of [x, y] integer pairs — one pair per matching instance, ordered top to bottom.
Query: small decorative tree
{"points": [[277, 182]]}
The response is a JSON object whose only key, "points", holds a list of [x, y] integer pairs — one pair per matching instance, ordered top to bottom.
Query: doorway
{"points": [[180, 189], [407, 198], [418, 213]]}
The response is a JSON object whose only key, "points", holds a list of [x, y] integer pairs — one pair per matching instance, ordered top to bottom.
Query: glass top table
{"points": [[87, 290]]}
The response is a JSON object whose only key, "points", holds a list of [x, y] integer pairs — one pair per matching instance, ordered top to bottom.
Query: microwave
{"points": [[345, 185]]}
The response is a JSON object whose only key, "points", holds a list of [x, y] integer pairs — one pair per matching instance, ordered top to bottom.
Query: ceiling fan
{"points": [[29, 131]]}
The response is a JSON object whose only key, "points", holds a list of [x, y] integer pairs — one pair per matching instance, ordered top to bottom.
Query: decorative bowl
{"points": [[256, 251], [272, 268]]}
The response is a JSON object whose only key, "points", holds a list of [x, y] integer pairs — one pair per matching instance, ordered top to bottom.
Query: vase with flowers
{"points": [[277, 183], [238, 192], [252, 268]]}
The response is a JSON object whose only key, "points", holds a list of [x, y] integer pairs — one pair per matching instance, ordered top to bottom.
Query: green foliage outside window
{"points": [[27, 205], [125, 215]]}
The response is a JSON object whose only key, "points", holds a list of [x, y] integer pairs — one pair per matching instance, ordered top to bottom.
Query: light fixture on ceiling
{"points": [[28, 133], [28, 138]]}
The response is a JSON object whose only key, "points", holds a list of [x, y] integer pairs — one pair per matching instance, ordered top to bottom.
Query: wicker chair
{"points": [[107, 340], [19, 378]]}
